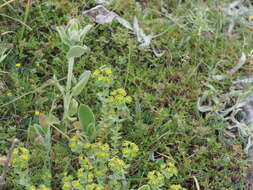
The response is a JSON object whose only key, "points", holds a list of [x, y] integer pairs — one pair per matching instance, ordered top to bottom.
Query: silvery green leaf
{"points": [[234, 4], [124, 22], [73, 25], [85, 30], [137, 30], [62, 33], [74, 36], [147, 40], [76, 51], [239, 64], [218, 77], [245, 80], [61, 88], [77, 89], [73, 107], [203, 108], [144, 187]]}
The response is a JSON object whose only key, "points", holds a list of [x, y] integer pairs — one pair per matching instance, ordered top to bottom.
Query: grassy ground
{"points": [[164, 123]]}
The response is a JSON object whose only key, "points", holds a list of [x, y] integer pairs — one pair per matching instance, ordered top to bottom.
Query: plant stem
{"points": [[70, 73]]}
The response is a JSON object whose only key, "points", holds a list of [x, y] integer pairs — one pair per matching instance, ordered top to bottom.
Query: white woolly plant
{"points": [[73, 35]]}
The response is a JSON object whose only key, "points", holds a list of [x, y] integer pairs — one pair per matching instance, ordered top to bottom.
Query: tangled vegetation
{"points": [[108, 107]]}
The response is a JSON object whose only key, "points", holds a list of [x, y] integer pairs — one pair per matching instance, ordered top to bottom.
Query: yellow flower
{"points": [[251, 17], [18, 65], [38, 65], [108, 71], [96, 72], [100, 78], [121, 91], [113, 93], [9, 94], [110, 99], [119, 99], [128, 99], [111, 112], [37, 113], [86, 145], [129, 149], [116, 164], [99, 172], [80, 173], [90, 176], [155, 178], [76, 184], [66, 186], [32, 187], [43, 187], [175, 187]]}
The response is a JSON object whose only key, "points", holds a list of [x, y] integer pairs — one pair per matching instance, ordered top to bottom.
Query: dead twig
{"points": [[7, 163]]}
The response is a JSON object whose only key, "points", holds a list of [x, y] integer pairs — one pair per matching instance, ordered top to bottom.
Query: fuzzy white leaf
{"points": [[124, 22], [239, 64]]}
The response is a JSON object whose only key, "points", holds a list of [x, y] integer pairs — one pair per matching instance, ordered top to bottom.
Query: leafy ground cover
{"points": [[135, 123]]}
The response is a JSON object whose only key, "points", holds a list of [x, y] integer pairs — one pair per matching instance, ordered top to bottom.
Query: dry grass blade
{"points": [[6, 3], [196, 182]]}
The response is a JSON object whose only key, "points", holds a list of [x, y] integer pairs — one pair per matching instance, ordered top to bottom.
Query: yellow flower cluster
{"points": [[103, 75], [9, 94], [119, 96], [37, 113], [75, 144], [129, 149], [100, 151], [20, 157], [85, 163], [116, 164], [169, 169], [100, 172], [47, 175], [155, 178], [67, 182], [76, 184], [94, 186], [31, 187], [43, 187], [177, 187]]}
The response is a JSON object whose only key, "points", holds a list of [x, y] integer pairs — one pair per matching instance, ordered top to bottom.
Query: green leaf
{"points": [[63, 35], [76, 51], [77, 89], [73, 107], [87, 121], [144, 187]]}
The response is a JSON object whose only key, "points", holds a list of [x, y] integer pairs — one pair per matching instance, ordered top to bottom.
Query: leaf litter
{"points": [[101, 15]]}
